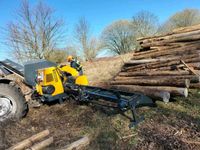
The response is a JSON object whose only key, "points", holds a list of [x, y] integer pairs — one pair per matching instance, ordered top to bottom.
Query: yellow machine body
{"points": [[56, 77]]}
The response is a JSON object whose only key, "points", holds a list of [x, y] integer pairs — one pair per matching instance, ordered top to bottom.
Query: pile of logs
{"points": [[165, 65]]}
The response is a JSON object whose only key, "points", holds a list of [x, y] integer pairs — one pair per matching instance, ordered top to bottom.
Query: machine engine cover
{"points": [[31, 67]]}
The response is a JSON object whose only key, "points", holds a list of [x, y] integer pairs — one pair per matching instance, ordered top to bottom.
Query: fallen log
{"points": [[165, 42], [155, 49], [178, 51], [172, 59], [143, 61], [162, 64], [195, 66], [153, 73], [192, 78], [154, 82], [195, 86], [174, 91], [155, 94], [30, 141], [79, 144], [42, 145]]}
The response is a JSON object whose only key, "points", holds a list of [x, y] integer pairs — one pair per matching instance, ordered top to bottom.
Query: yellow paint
{"points": [[70, 70], [56, 76], [81, 80], [56, 82]]}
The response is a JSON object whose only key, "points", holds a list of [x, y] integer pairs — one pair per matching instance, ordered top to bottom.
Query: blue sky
{"points": [[99, 13]]}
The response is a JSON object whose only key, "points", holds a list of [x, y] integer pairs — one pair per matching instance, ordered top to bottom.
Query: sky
{"points": [[99, 13]]}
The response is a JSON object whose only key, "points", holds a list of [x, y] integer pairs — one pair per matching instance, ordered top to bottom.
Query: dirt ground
{"points": [[175, 125]]}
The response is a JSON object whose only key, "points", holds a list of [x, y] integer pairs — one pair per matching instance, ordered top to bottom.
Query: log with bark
{"points": [[188, 36], [177, 51], [168, 59], [163, 64], [153, 73], [192, 78], [154, 82], [195, 86], [174, 91], [153, 93], [30, 141], [79, 144], [42, 145]]}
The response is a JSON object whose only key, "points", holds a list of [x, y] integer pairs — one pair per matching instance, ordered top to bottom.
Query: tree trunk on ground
{"points": [[177, 51], [162, 64], [153, 73], [192, 78], [154, 82], [195, 86], [174, 91], [155, 94], [29, 142], [79, 144], [42, 145]]}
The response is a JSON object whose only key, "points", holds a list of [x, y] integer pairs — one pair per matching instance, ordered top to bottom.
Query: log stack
{"points": [[165, 65]]}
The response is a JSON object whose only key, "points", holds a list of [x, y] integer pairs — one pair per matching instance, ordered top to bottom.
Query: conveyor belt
{"points": [[9, 67], [123, 100]]}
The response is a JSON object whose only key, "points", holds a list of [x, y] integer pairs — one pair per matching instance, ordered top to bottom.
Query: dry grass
{"points": [[104, 69]]}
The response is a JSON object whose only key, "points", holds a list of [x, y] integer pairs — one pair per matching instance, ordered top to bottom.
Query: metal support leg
{"points": [[61, 101], [135, 120]]}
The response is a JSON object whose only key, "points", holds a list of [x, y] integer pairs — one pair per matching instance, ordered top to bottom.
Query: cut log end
{"points": [[186, 92]]}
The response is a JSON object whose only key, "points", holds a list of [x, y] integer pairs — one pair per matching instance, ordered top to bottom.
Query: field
{"points": [[175, 125]]}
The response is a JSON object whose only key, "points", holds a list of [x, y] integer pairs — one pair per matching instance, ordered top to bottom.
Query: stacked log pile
{"points": [[164, 66]]}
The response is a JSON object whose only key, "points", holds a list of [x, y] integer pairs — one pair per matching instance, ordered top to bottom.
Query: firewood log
{"points": [[178, 51], [166, 63], [153, 73], [192, 78], [154, 82], [195, 86], [174, 91], [155, 94], [28, 142], [42, 145], [78, 145]]}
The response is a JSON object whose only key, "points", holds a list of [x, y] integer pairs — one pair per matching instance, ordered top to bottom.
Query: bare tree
{"points": [[183, 18], [144, 23], [36, 33], [118, 37], [89, 45]]}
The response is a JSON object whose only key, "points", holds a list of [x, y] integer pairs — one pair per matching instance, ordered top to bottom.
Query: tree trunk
{"points": [[189, 36], [177, 51], [162, 64], [153, 73], [192, 78], [154, 82], [195, 86], [174, 91], [155, 94], [28, 142], [79, 144], [42, 145]]}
